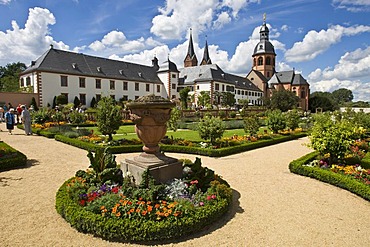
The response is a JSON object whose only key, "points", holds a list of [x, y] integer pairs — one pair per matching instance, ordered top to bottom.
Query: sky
{"points": [[327, 41]]}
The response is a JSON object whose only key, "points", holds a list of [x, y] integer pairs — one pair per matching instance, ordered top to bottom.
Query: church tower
{"points": [[264, 53], [190, 59], [206, 59]]}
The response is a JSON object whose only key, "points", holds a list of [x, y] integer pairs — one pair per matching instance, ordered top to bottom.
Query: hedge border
{"points": [[221, 152], [17, 160], [336, 179], [124, 230]]}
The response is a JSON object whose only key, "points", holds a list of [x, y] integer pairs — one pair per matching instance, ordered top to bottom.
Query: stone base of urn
{"points": [[161, 167]]}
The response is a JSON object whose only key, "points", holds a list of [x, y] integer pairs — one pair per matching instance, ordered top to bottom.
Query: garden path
{"points": [[272, 207]]}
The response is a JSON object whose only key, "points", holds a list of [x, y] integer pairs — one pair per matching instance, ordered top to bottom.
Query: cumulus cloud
{"points": [[352, 5], [176, 17], [315, 43], [25, 44], [350, 72]]}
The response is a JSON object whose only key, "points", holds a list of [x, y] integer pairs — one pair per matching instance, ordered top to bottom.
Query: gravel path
{"points": [[272, 207]]}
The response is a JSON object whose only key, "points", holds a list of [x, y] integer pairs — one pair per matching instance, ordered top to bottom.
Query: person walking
{"points": [[19, 112], [26, 119], [9, 120]]}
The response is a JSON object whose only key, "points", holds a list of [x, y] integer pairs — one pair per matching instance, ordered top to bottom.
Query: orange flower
{"points": [[148, 202], [157, 206], [102, 207], [150, 208], [114, 210], [132, 210], [138, 210], [144, 212], [118, 214], [166, 214]]}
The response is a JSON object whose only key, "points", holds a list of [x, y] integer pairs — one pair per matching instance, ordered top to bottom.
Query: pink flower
{"points": [[194, 182], [213, 196], [208, 198], [201, 204]]}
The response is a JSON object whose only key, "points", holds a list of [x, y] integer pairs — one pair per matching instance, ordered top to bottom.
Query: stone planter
{"points": [[150, 114]]}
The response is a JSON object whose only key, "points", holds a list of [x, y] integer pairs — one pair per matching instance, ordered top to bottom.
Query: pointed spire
{"points": [[191, 58], [206, 59]]}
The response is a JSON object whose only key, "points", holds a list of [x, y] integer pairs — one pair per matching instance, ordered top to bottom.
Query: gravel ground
{"points": [[272, 207]]}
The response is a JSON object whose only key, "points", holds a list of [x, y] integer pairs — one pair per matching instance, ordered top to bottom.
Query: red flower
{"points": [[82, 202]]}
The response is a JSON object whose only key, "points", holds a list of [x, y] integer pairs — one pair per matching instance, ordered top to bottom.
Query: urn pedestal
{"points": [[150, 114]]}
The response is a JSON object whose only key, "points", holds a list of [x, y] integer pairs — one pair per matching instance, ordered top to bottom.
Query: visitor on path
{"points": [[19, 112], [1, 114], [26, 119], [9, 120]]}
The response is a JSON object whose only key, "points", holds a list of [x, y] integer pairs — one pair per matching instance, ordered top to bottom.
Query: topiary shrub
{"points": [[211, 128]]}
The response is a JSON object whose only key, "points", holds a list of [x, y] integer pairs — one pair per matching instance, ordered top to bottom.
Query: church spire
{"points": [[264, 31], [191, 58], [206, 59]]}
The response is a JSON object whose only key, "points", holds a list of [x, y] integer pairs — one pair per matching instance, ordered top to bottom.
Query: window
{"points": [[260, 61], [268, 61], [173, 75], [28, 81], [63, 81], [82, 82], [97, 83], [112, 85], [125, 85], [136, 86], [173, 86], [217, 86], [147, 87], [197, 87], [223, 87], [158, 88], [238, 92], [242, 92], [249, 93], [303, 94], [98, 97], [124, 97], [136, 97], [83, 99]]}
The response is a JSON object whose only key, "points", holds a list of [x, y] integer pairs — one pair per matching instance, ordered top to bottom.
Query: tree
{"points": [[9, 76], [184, 94], [342, 95], [204, 98], [227, 99], [61, 100], [283, 100], [323, 100], [76, 102], [93, 102], [34, 104], [108, 117], [293, 119], [275, 121], [173, 122], [251, 125], [211, 128]]}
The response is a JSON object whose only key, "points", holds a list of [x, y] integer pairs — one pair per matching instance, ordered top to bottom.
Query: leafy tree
{"points": [[9, 77], [184, 95], [342, 95], [204, 98], [227, 99], [61, 100], [283, 100], [323, 100], [76, 102], [93, 102], [243, 102], [34, 104], [76, 117], [108, 117], [293, 119], [275, 121], [173, 122], [252, 125], [211, 128], [331, 137]]}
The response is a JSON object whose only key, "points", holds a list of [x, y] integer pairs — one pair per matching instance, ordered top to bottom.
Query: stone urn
{"points": [[150, 114]]}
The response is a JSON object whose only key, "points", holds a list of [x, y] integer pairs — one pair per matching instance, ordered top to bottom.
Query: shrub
{"points": [[61, 99], [232, 114], [41, 116], [76, 117], [108, 117], [292, 119], [275, 121], [251, 125], [211, 128], [11, 158]]}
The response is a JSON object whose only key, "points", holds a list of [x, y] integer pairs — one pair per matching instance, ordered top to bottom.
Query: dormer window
{"points": [[74, 65], [98, 69], [140, 74]]}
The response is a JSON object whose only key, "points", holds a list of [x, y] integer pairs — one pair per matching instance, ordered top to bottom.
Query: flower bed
{"points": [[11, 158], [346, 177], [146, 212]]}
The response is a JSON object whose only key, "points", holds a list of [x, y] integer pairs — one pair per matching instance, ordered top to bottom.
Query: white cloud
{"points": [[4, 2], [352, 5], [178, 16], [284, 28], [28, 43], [315, 43], [351, 72]]}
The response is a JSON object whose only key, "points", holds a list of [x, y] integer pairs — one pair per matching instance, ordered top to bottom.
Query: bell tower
{"points": [[190, 59]]}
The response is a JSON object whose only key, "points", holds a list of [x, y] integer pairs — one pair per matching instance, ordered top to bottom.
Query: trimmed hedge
{"points": [[184, 149], [13, 158], [339, 180], [123, 229]]}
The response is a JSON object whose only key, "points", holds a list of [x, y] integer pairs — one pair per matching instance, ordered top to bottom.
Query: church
{"points": [[86, 77]]}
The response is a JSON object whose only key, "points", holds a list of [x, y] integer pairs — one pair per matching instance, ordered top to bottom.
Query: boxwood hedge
{"points": [[11, 158], [339, 180], [125, 229]]}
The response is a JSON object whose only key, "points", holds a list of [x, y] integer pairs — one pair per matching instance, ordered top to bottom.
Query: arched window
{"points": [[260, 61], [268, 61], [254, 62], [303, 94]]}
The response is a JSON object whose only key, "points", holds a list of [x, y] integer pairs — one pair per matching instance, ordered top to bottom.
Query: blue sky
{"points": [[325, 40]]}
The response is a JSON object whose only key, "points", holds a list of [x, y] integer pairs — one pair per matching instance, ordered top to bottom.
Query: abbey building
{"points": [[86, 77]]}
